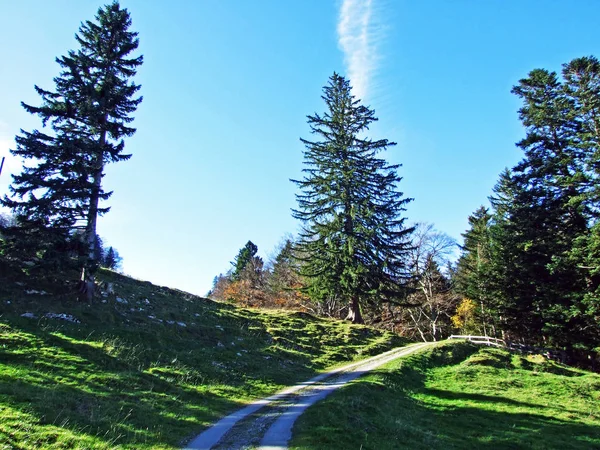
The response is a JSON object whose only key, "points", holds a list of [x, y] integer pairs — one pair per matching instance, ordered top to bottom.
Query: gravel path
{"points": [[267, 424]]}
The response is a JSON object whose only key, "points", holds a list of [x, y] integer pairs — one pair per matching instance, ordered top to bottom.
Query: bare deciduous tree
{"points": [[433, 297]]}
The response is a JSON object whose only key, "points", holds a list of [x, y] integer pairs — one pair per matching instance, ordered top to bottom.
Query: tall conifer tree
{"points": [[89, 113], [550, 212], [354, 241], [243, 258], [473, 268], [544, 273]]}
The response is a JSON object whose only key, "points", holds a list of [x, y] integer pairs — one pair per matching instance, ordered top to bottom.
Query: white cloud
{"points": [[358, 38]]}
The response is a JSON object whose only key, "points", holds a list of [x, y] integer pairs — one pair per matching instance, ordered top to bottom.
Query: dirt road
{"points": [[267, 423]]}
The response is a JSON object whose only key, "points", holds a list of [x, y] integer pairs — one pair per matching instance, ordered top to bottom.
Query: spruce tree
{"points": [[582, 84], [89, 113], [550, 212], [354, 241], [243, 258], [112, 260], [473, 268], [543, 271], [283, 280]]}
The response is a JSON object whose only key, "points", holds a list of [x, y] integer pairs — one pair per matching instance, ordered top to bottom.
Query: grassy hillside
{"points": [[148, 366], [458, 396]]}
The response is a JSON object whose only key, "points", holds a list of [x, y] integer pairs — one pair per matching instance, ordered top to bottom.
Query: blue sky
{"points": [[227, 85]]}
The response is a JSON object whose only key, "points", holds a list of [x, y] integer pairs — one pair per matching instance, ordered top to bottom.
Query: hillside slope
{"points": [[149, 366], [458, 396]]}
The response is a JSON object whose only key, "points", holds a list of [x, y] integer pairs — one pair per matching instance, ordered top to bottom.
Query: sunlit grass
{"points": [[153, 371], [460, 397]]}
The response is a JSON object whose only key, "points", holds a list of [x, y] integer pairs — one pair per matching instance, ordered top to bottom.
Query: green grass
{"points": [[130, 376], [457, 396]]}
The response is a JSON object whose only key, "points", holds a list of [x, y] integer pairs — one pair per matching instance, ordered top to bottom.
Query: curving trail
{"points": [[267, 423]]}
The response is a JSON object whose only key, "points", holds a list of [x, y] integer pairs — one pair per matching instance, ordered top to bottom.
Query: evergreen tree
{"points": [[582, 84], [89, 114], [550, 213], [543, 238], [354, 241], [243, 258], [112, 260], [474, 262], [474, 265], [282, 270], [504, 279], [284, 282]]}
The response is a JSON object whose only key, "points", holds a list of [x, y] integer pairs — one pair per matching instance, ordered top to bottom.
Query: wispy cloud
{"points": [[358, 37]]}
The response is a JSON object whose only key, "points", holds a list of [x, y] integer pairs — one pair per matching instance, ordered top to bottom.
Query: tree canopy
{"points": [[89, 114], [354, 240], [537, 252]]}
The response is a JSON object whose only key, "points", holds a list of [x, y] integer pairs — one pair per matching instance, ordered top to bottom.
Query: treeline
{"points": [[531, 262], [529, 268], [252, 282], [427, 312]]}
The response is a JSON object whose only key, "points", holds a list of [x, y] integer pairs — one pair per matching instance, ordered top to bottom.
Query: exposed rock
{"points": [[106, 289], [122, 300], [29, 315], [62, 316]]}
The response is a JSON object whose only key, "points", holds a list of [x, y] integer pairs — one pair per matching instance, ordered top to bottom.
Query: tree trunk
{"points": [[89, 269], [86, 287], [354, 311], [483, 320], [417, 326], [434, 329]]}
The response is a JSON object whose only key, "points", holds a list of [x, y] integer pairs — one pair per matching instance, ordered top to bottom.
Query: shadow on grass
{"points": [[549, 367], [128, 379], [80, 387], [482, 398], [395, 409]]}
